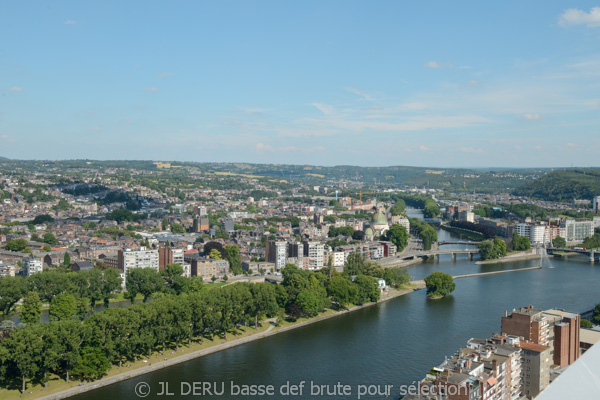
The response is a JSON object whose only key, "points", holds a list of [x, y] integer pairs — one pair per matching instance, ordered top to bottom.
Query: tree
{"points": [[398, 208], [42, 219], [177, 228], [221, 234], [398, 235], [49, 238], [559, 242], [520, 243], [16, 245], [208, 247], [47, 248], [492, 249], [215, 254], [234, 258], [67, 259], [355, 264], [213, 278], [225, 278], [145, 281], [175, 282], [439, 284], [12, 289], [367, 289], [341, 290], [311, 302], [62, 307], [31, 310], [596, 314], [586, 324], [25, 353], [92, 365]]}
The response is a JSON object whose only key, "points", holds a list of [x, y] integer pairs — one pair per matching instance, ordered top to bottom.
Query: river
{"points": [[393, 343]]}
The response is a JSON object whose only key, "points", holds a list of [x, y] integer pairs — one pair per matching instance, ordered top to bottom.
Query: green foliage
{"points": [[563, 185], [62, 205], [399, 207], [125, 215], [42, 219], [89, 225], [177, 228], [343, 230], [425, 232], [221, 234], [398, 235], [50, 238], [559, 242], [592, 242], [520, 243], [16, 245], [47, 248], [492, 249], [215, 254], [234, 258], [67, 259], [355, 264], [145, 281], [439, 284], [12, 289], [367, 289], [62, 307], [31, 311], [596, 314], [586, 324], [93, 364]]}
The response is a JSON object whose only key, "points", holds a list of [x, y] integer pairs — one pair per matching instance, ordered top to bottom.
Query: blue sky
{"points": [[424, 83]]}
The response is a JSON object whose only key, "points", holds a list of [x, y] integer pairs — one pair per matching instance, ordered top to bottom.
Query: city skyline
{"points": [[455, 85]]}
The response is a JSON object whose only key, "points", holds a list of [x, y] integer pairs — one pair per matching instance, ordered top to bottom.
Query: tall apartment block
{"points": [[315, 251], [275, 252], [168, 255], [528, 323], [564, 336], [535, 365]]}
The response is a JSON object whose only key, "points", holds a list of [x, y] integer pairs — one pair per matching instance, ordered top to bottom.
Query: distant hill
{"points": [[3, 158], [563, 185]]}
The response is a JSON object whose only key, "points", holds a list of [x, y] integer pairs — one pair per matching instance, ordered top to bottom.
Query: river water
{"points": [[394, 343]]}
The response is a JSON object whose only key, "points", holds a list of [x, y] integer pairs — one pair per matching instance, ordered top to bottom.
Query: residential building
{"points": [[200, 224], [228, 226], [576, 230], [315, 251], [275, 252], [295, 254], [169, 255], [142, 258], [32, 266], [255, 266], [206, 268], [528, 323], [564, 336], [536, 362]]}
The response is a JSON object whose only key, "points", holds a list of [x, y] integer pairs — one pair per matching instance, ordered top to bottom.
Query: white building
{"points": [[596, 203], [538, 234], [315, 251], [276, 252], [142, 258], [32, 266]]}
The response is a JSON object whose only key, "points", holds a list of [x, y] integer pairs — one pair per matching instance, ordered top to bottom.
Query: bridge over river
{"points": [[593, 255]]}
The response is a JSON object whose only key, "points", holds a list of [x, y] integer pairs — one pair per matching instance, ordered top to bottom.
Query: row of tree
{"points": [[424, 231], [492, 248], [88, 347]]}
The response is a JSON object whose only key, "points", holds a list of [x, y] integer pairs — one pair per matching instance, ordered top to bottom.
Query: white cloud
{"points": [[574, 16], [70, 22], [433, 64], [164, 74], [473, 83], [15, 89], [152, 89], [360, 93], [324, 108], [255, 110], [531, 117], [234, 122], [96, 128], [7, 138], [263, 147], [517, 147], [424, 148], [471, 150]]}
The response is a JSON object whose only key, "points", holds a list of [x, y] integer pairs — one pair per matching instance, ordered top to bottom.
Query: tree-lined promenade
{"points": [[180, 311]]}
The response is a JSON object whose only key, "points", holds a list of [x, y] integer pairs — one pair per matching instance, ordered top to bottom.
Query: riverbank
{"points": [[463, 232], [517, 256], [131, 370]]}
